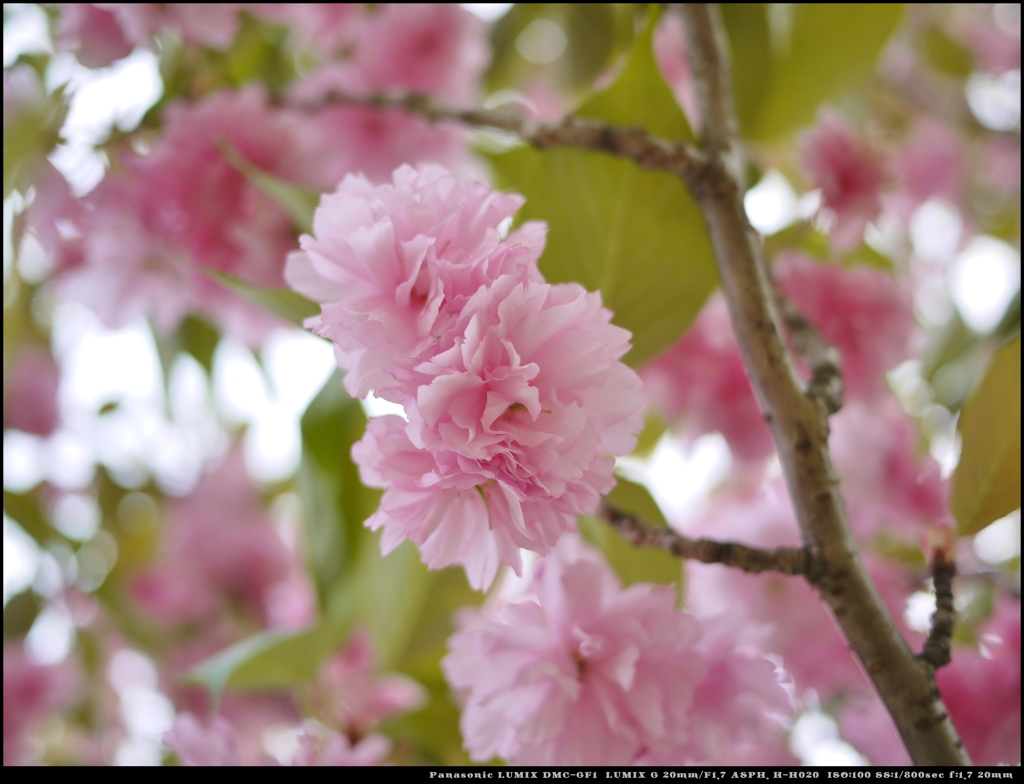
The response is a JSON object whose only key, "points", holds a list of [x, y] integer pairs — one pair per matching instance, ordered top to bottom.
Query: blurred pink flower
{"points": [[212, 24], [330, 28], [93, 33], [435, 48], [670, 52], [932, 164], [1001, 167], [849, 174], [151, 229], [393, 264], [862, 312], [701, 383], [30, 402], [513, 430], [899, 490], [220, 545], [589, 673], [981, 689], [31, 692], [354, 698], [865, 723], [198, 745], [334, 750]]}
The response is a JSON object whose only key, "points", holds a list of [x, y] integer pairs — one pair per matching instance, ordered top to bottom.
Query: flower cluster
{"points": [[515, 396], [589, 673]]}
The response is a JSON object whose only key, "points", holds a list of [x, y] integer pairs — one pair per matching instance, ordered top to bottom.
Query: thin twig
{"points": [[636, 144], [826, 382], [798, 417], [784, 560], [936, 651]]}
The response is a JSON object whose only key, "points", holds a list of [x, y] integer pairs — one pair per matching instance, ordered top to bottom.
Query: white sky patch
{"points": [[489, 12], [25, 31], [101, 99], [995, 100], [772, 204], [935, 229], [983, 280], [271, 400], [680, 475], [994, 544], [21, 559], [51, 636], [815, 740]]}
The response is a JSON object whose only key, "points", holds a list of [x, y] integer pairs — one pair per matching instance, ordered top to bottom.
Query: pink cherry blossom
{"points": [[212, 24], [329, 28], [94, 34], [435, 48], [670, 51], [932, 164], [849, 174], [153, 227], [393, 264], [862, 312], [701, 383], [30, 402], [513, 429], [900, 490], [220, 545], [589, 673], [586, 674], [981, 689], [31, 692], [354, 698], [866, 724], [197, 745], [334, 750]]}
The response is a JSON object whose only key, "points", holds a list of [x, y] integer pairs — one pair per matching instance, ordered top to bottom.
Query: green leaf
{"points": [[821, 49], [945, 54], [750, 56], [30, 134], [298, 202], [635, 235], [287, 304], [199, 338], [986, 483], [334, 502], [631, 563], [269, 660]]}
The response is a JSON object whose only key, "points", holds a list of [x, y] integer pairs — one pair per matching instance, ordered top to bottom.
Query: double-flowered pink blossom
{"points": [[849, 174], [393, 264], [516, 399], [587, 673]]}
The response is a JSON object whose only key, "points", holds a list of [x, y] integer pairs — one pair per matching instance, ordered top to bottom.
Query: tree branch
{"points": [[634, 143], [826, 381], [797, 414], [799, 421], [784, 560], [936, 651]]}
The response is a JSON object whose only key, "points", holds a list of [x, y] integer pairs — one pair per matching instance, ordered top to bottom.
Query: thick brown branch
{"points": [[634, 143], [799, 422], [785, 560], [936, 651]]}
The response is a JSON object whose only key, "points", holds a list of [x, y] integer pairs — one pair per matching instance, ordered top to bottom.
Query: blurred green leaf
{"points": [[596, 33], [823, 49], [944, 54], [750, 56], [30, 133], [299, 203], [635, 235], [287, 304], [199, 338], [649, 437], [986, 482], [334, 502], [631, 563], [19, 614], [269, 660]]}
